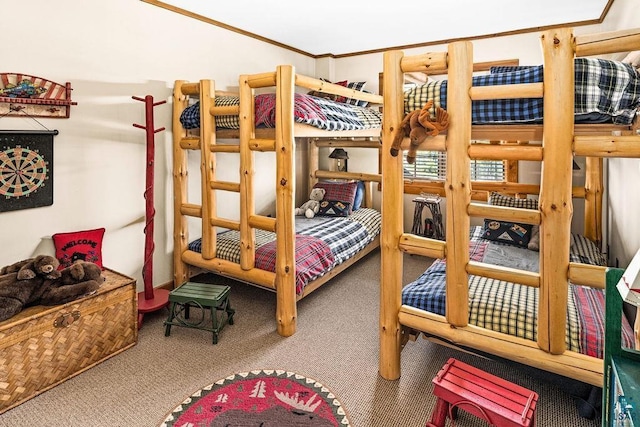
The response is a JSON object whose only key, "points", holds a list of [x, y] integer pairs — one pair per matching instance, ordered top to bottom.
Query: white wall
{"points": [[110, 51]]}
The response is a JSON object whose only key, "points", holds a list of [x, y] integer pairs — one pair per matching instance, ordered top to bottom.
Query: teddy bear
{"points": [[418, 126], [310, 207], [31, 267], [79, 279], [22, 282]]}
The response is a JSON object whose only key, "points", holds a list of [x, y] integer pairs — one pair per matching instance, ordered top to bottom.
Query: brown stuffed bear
{"points": [[417, 126], [32, 267], [79, 279], [22, 285]]}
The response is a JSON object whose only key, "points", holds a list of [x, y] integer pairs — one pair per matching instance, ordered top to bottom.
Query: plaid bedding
{"points": [[605, 90], [311, 110], [322, 243], [313, 259], [512, 309]]}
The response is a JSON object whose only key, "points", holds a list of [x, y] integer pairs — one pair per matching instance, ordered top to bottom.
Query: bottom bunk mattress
{"points": [[322, 243], [511, 308]]}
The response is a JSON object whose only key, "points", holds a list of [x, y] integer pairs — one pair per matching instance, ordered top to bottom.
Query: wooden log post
{"points": [[313, 160], [207, 167], [247, 173], [458, 181], [594, 188], [555, 202], [393, 223], [180, 227], [286, 311]]}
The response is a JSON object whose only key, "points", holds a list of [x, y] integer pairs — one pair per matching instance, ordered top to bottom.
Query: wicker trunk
{"points": [[43, 346]]}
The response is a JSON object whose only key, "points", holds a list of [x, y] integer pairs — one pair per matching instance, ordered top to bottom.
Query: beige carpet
{"points": [[336, 344]]}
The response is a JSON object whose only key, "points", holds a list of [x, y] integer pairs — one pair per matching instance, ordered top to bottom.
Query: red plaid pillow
{"points": [[332, 97], [339, 191], [79, 245]]}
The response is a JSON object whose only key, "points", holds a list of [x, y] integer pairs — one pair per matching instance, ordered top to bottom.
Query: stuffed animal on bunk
{"points": [[418, 126], [310, 207], [82, 278], [21, 281], [38, 281]]}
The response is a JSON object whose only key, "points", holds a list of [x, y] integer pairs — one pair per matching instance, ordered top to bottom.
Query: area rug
{"points": [[265, 398]]}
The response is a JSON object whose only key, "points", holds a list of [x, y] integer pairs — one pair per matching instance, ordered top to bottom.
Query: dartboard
{"points": [[26, 170], [22, 171]]}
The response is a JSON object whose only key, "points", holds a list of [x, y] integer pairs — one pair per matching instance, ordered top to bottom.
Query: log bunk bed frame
{"points": [[561, 139], [281, 141]]}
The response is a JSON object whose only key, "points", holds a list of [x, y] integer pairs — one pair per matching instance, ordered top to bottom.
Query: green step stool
{"points": [[202, 295]]}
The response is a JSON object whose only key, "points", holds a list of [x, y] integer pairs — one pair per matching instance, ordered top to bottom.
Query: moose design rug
{"points": [[266, 398]]}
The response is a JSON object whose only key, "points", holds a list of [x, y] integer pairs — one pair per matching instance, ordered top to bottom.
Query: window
{"points": [[432, 165]]}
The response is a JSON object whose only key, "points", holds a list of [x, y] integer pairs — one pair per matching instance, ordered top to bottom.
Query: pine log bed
{"points": [[561, 139], [281, 230]]}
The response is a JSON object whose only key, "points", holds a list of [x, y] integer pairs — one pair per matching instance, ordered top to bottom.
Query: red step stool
{"points": [[498, 402]]}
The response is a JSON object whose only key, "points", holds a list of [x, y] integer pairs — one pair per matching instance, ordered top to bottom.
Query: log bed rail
{"points": [[279, 140], [560, 141]]}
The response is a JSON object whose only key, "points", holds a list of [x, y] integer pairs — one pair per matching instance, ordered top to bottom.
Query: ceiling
{"points": [[347, 27]]}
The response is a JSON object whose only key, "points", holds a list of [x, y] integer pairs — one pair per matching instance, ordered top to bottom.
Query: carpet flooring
{"points": [[336, 343]]}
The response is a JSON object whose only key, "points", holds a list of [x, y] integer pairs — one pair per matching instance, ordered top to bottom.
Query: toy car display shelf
{"points": [[25, 95]]}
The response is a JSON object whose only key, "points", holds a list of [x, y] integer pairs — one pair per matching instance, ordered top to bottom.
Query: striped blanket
{"points": [[605, 91], [311, 110], [322, 243], [511, 308]]}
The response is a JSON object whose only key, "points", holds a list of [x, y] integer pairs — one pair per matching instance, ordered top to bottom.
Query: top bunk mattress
{"points": [[605, 92], [311, 110], [511, 308]]}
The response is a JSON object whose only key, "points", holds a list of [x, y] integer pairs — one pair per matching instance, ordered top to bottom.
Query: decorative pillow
{"points": [[357, 86], [330, 96], [364, 103], [341, 191], [357, 201], [334, 208], [507, 232], [83, 245]]}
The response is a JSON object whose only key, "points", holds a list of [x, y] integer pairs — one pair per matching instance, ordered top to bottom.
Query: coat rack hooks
{"points": [[151, 299]]}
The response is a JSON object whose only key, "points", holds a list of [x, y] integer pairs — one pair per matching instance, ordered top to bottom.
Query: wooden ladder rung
{"points": [[226, 186], [504, 213]]}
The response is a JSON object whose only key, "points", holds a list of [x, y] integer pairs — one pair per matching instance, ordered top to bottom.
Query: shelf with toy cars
{"points": [[26, 95]]}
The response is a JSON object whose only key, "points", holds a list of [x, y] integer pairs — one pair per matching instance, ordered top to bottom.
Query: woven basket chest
{"points": [[43, 346]]}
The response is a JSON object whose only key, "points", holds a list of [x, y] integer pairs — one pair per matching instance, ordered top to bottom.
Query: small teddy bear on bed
{"points": [[310, 207]]}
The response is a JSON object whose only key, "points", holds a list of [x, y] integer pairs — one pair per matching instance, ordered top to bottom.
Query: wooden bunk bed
{"points": [[561, 139], [281, 140]]}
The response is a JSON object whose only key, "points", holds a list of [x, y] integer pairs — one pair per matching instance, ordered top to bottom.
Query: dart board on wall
{"points": [[26, 170]]}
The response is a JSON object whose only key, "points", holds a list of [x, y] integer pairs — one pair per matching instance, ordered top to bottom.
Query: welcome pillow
{"points": [[83, 245]]}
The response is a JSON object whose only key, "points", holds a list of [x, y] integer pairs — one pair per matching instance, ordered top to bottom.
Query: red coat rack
{"points": [[151, 299]]}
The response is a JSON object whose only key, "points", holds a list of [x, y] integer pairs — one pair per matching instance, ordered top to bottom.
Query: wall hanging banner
{"points": [[26, 169]]}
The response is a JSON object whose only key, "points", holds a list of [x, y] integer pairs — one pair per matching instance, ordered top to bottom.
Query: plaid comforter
{"points": [[605, 91], [311, 110], [322, 243], [512, 309]]}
